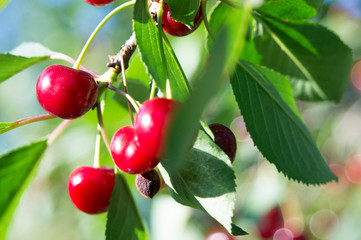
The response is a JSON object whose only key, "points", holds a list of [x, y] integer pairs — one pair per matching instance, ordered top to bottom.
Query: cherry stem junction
{"points": [[97, 29], [128, 97]]}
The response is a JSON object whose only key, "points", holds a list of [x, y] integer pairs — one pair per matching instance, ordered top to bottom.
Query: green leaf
{"points": [[3, 3], [315, 3], [288, 9], [184, 10], [236, 21], [148, 42], [250, 53], [24, 56], [314, 59], [11, 64], [137, 70], [186, 122], [276, 130], [16, 170], [205, 181], [123, 221]]}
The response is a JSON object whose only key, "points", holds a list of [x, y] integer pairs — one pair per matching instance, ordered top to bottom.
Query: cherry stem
{"points": [[205, 19], [96, 30], [61, 56], [164, 60], [126, 89], [152, 91], [128, 97], [26, 121], [101, 124], [57, 131], [98, 141]]}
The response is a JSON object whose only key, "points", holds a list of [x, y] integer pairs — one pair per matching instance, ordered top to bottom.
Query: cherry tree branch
{"points": [[124, 55]]}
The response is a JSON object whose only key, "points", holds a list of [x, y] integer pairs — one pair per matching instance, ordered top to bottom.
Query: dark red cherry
{"points": [[99, 2], [175, 28], [66, 92], [152, 124], [225, 139], [127, 154], [148, 183], [90, 188], [270, 222]]}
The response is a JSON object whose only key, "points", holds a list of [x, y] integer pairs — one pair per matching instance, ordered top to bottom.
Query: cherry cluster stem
{"points": [[26, 121], [101, 125]]}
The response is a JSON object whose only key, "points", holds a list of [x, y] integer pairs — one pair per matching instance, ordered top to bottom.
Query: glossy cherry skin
{"points": [[99, 2], [179, 29], [66, 92], [152, 124], [225, 139], [127, 154], [90, 188], [270, 222]]}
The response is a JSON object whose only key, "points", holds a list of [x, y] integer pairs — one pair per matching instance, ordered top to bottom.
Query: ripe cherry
{"points": [[99, 2], [175, 28], [66, 92], [152, 124], [225, 139], [127, 154], [90, 188], [270, 222]]}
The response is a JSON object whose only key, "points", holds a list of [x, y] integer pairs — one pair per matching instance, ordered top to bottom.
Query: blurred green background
{"points": [[45, 211]]}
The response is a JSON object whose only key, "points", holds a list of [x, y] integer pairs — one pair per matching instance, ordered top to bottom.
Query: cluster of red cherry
{"points": [[69, 93]]}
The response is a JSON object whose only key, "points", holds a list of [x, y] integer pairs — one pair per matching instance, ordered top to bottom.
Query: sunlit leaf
{"points": [[288, 9], [148, 42], [16, 170]]}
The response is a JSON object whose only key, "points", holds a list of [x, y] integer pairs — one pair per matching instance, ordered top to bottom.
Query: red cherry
{"points": [[99, 2], [177, 28], [66, 92], [152, 124], [225, 139], [127, 155], [90, 188], [270, 222]]}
